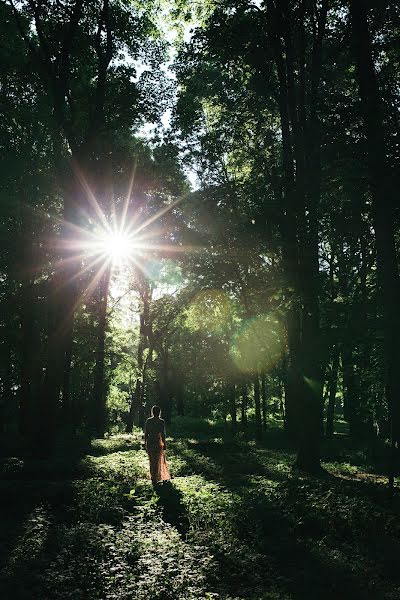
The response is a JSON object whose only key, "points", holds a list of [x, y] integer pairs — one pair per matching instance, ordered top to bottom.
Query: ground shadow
{"points": [[170, 500]]}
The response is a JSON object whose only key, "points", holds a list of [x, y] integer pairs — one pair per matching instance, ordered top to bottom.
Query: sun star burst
{"points": [[120, 239], [118, 246]]}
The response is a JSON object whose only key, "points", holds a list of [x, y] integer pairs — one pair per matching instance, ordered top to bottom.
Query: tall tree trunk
{"points": [[300, 145], [383, 214], [289, 231], [63, 299], [60, 331], [30, 349], [30, 367], [6, 384], [347, 384], [66, 385], [351, 392], [99, 394], [165, 394], [137, 399], [264, 401], [141, 402], [281, 402], [244, 404], [180, 405], [232, 405], [257, 405], [330, 413], [131, 414], [308, 457]]}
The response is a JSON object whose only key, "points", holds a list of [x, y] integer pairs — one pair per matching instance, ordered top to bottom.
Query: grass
{"points": [[235, 523]]}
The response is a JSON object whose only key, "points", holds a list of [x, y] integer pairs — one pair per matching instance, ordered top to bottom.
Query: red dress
{"points": [[154, 434]]}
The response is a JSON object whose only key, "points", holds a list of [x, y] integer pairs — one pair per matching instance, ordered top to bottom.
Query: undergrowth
{"points": [[236, 523]]}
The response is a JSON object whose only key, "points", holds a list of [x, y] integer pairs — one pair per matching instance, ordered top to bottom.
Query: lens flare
{"points": [[258, 345]]}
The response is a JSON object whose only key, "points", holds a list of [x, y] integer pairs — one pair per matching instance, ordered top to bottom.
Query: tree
{"points": [[295, 34], [74, 48], [383, 211]]}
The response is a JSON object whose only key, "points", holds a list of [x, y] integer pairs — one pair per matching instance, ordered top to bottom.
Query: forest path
{"points": [[235, 523]]}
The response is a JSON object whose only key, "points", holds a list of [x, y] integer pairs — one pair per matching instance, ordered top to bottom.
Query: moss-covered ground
{"points": [[236, 523]]}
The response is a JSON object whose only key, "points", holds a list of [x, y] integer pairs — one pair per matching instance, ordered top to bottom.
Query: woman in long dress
{"points": [[154, 439]]}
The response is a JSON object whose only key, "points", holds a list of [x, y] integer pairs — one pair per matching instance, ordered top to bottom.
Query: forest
{"points": [[199, 210]]}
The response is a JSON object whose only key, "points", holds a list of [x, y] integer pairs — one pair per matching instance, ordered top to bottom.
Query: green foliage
{"points": [[236, 522]]}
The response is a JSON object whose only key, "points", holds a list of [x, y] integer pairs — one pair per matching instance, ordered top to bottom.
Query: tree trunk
{"points": [[301, 166], [308, 173], [383, 197], [63, 299], [60, 331], [30, 344], [292, 379], [6, 384], [165, 388], [66, 391], [99, 394], [137, 398], [264, 401], [140, 402], [281, 402], [180, 404], [232, 405], [244, 405], [257, 405], [353, 410], [330, 413], [131, 415]]}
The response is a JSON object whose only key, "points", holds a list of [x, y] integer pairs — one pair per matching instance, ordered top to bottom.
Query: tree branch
{"points": [[20, 27], [44, 47], [104, 59]]}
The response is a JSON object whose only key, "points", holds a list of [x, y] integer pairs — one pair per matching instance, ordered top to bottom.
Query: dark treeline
{"points": [[271, 291]]}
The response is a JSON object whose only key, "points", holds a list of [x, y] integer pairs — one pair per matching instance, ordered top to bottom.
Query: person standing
{"points": [[154, 440]]}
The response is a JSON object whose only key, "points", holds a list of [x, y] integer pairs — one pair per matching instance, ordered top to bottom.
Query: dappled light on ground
{"points": [[235, 523]]}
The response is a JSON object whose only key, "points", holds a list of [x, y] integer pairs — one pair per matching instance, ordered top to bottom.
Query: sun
{"points": [[106, 243], [117, 246]]}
